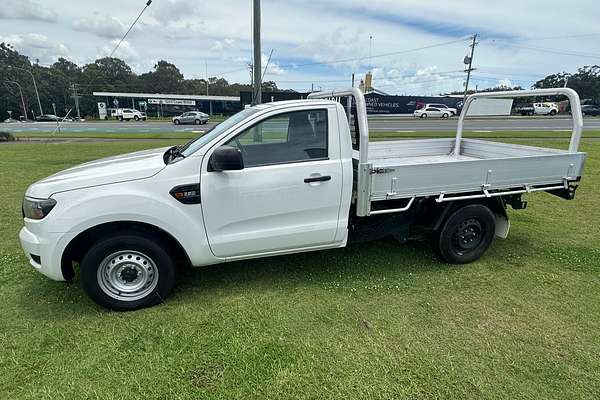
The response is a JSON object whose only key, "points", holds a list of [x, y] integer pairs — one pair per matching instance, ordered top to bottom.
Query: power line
{"points": [[130, 28], [375, 55], [338, 61], [386, 78]]}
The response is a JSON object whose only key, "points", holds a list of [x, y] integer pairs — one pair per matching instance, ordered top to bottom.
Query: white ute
{"points": [[280, 178]]}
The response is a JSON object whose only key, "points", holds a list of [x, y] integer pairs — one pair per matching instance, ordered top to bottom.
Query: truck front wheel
{"points": [[466, 234], [127, 272]]}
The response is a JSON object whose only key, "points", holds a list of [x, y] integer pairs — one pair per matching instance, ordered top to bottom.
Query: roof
{"points": [[166, 96], [287, 103]]}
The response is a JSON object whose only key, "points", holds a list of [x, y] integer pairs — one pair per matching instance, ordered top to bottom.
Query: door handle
{"points": [[320, 178]]}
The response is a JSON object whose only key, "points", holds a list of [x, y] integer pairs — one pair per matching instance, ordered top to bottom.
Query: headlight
{"points": [[37, 208]]}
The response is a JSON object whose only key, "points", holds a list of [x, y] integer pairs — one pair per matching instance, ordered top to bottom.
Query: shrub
{"points": [[6, 137]]}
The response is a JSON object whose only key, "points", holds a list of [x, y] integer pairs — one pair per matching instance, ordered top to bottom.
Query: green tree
{"points": [[166, 78]]}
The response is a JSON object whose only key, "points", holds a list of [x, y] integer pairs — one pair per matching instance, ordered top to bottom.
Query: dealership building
{"points": [[165, 105]]}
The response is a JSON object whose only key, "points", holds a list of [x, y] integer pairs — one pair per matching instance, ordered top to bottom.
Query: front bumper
{"points": [[43, 252]]}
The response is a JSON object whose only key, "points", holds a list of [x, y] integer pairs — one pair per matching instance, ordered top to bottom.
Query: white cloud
{"points": [[27, 10], [102, 25], [188, 33], [221, 45], [37, 46], [126, 51], [273, 68]]}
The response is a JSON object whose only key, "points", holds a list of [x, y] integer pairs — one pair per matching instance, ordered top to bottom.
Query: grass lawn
{"points": [[377, 135], [377, 320]]}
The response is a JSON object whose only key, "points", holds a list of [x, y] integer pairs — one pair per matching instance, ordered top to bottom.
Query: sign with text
{"points": [[172, 102], [102, 110]]}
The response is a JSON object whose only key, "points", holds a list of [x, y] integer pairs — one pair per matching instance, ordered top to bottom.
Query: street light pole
{"points": [[34, 85], [257, 93], [22, 99]]}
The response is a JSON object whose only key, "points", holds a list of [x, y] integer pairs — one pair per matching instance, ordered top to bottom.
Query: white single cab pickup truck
{"points": [[280, 178]]}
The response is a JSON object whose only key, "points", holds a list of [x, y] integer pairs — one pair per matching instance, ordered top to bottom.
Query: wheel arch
{"points": [[496, 205], [78, 246]]}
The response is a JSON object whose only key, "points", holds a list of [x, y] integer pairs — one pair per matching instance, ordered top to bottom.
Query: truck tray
{"points": [[416, 168], [456, 169]]}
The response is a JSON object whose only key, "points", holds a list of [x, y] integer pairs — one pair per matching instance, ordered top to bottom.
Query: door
{"points": [[433, 112], [185, 117], [288, 194]]}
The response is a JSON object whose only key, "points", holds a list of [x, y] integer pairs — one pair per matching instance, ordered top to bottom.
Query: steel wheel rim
{"points": [[467, 236], [127, 275]]}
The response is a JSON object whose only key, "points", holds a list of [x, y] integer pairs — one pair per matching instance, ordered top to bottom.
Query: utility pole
{"points": [[469, 61], [206, 71], [353, 79], [257, 84], [34, 86], [75, 96], [22, 99]]}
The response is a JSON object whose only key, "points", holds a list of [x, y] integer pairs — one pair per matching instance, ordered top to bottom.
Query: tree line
{"points": [[55, 83]]}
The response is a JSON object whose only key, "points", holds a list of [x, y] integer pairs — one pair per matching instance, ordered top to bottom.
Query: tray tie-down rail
{"points": [[486, 193]]}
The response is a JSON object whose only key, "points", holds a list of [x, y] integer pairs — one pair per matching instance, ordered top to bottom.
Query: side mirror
{"points": [[226, 158]]}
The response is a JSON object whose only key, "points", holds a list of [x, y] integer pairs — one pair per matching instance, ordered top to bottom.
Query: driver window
{"points": [[284, 138]]}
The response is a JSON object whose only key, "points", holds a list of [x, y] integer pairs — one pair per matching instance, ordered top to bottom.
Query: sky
{"points": [[412, 47]]}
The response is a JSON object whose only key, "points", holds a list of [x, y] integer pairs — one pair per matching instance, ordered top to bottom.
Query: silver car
{"points": [[191, 117]]}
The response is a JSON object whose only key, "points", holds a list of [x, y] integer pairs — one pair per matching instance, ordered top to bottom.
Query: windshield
{"points": [[193, 145]]}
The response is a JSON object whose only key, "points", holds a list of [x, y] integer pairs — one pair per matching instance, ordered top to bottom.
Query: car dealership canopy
{"points": [[162, 104]]}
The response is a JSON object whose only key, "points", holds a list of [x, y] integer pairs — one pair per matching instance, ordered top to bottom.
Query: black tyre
{"points": [[553, 112], [423, 115], [444, 115], [136, 118], [120, 119], [176, 122], [197, 122], [466, 234], [127, 272]]}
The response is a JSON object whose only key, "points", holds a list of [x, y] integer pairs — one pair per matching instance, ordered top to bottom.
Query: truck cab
{"points": [[277, 178]]}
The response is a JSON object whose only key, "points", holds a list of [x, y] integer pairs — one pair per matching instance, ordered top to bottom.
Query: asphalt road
{"points": [[397, 124]]}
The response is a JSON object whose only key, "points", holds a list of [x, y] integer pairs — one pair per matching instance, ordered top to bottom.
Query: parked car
{"points": [[546, 108], [538, 109], [590, 109], [453, 111], [433, 112], [128, 114], [191, 117], [47, 118], [279, 178]]}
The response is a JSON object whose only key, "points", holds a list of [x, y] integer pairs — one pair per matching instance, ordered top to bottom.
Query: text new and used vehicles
{"points": [[443, 107], [590, 109], [431, 112], [128, 114], [191, 117], [280, 178]]}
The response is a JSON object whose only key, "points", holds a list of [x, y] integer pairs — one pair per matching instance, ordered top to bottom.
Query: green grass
{"points": [[109, 135], [376, 135], [377, 320]]}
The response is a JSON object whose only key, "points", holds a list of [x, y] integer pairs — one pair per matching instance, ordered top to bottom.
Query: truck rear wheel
{"points": [[466, 234], [128, 272]]}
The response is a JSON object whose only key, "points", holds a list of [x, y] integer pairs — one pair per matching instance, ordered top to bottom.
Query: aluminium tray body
{"points": [[418, 168]]}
